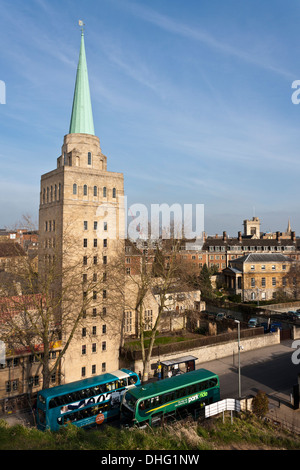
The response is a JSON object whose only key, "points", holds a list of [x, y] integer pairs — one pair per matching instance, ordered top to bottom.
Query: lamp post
{"points": [[239, 348]]}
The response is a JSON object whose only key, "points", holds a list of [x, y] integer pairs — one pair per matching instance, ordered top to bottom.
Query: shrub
{"points": [[260, 404]]}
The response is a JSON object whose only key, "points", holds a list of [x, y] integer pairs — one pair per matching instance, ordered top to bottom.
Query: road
{"points": [[269, 369]]}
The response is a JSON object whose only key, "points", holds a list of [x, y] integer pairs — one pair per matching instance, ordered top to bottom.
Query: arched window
{"points": [[89, 158], [74, 188], [85, 190], [95, 190], [104, 191], [55, 192], [114, 194], [44, 195]]}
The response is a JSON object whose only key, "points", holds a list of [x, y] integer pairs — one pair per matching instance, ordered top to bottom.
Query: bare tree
{"points": [[158, 269], [46, 312]]}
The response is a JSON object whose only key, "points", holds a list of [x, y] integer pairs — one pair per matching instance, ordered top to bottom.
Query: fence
{"points": [[135, 355]]}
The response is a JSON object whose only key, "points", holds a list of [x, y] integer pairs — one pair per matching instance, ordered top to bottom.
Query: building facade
{"points": [[80, 219], [259, 277]]}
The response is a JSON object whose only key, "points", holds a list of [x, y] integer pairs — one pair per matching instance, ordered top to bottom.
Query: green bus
{"points": [[153, 402]]}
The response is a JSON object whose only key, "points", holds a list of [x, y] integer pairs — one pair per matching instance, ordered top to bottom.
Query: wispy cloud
{"points": [[179, 28]]}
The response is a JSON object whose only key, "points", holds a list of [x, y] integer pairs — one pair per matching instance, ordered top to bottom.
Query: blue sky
{"points": [[191, 101]]}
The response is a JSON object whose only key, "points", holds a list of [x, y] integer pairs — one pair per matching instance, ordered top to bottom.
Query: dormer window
{"points": [[89, 158]]}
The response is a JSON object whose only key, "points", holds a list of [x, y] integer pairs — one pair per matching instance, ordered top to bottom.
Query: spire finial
{"points": [[81, 24]]}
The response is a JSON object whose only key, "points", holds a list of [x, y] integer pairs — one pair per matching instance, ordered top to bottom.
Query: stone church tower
{"points": [[80, 218]]}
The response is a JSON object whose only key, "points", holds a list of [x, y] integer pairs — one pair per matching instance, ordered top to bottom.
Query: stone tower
{"points": [[81, 212], [252, 227]]}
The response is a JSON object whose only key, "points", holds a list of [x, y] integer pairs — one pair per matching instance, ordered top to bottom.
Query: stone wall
{"points": [[209, 352]]}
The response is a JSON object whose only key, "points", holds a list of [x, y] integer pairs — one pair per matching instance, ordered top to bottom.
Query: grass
{"points": [[135, 345], [245, 432]]}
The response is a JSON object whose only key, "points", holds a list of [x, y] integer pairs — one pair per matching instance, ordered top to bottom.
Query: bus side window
{"points": [[132, 380], [121, 383], [110, 386], [168, 397], [157, 400], [147, 404], [142, 405]]}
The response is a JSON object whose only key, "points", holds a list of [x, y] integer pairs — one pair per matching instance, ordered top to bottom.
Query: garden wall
{"points": [[205, 349]]}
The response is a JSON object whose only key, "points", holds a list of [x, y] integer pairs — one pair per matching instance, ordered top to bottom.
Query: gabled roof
{"points": [[10, 249]]}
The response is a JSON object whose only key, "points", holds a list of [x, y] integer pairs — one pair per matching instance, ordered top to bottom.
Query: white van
{"points": [[253, 323]]}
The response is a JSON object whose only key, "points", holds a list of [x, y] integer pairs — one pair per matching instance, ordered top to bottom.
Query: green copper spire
{"points": [[82, 116]]}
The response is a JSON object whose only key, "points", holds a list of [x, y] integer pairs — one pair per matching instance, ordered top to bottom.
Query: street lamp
{"points": [[239, 348]]}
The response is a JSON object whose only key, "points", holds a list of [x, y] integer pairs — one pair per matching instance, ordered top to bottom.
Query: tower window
{"points": [[89, 158], [74, 188], [85, 190], [95, 190], [104, 191], [114, 193]]}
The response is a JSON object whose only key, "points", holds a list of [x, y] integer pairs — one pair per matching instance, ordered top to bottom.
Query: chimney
{"points": [[224, 235], [277, 235], [240, 236], [293, 236]]}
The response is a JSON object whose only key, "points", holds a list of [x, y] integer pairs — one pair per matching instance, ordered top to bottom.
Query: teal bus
{"points": [[85, 402], [152, 403]]}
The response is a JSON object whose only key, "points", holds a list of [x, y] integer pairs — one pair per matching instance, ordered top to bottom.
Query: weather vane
{"points": [[81, 24]]}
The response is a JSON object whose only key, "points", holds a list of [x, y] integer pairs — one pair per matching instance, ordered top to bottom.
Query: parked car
{"points": [[220, 316], [253, 323], [265, 325], [275, 326]]}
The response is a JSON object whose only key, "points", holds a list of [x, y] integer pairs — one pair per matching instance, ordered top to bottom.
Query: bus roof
{"points": [[85, 383], [172, 383]]}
